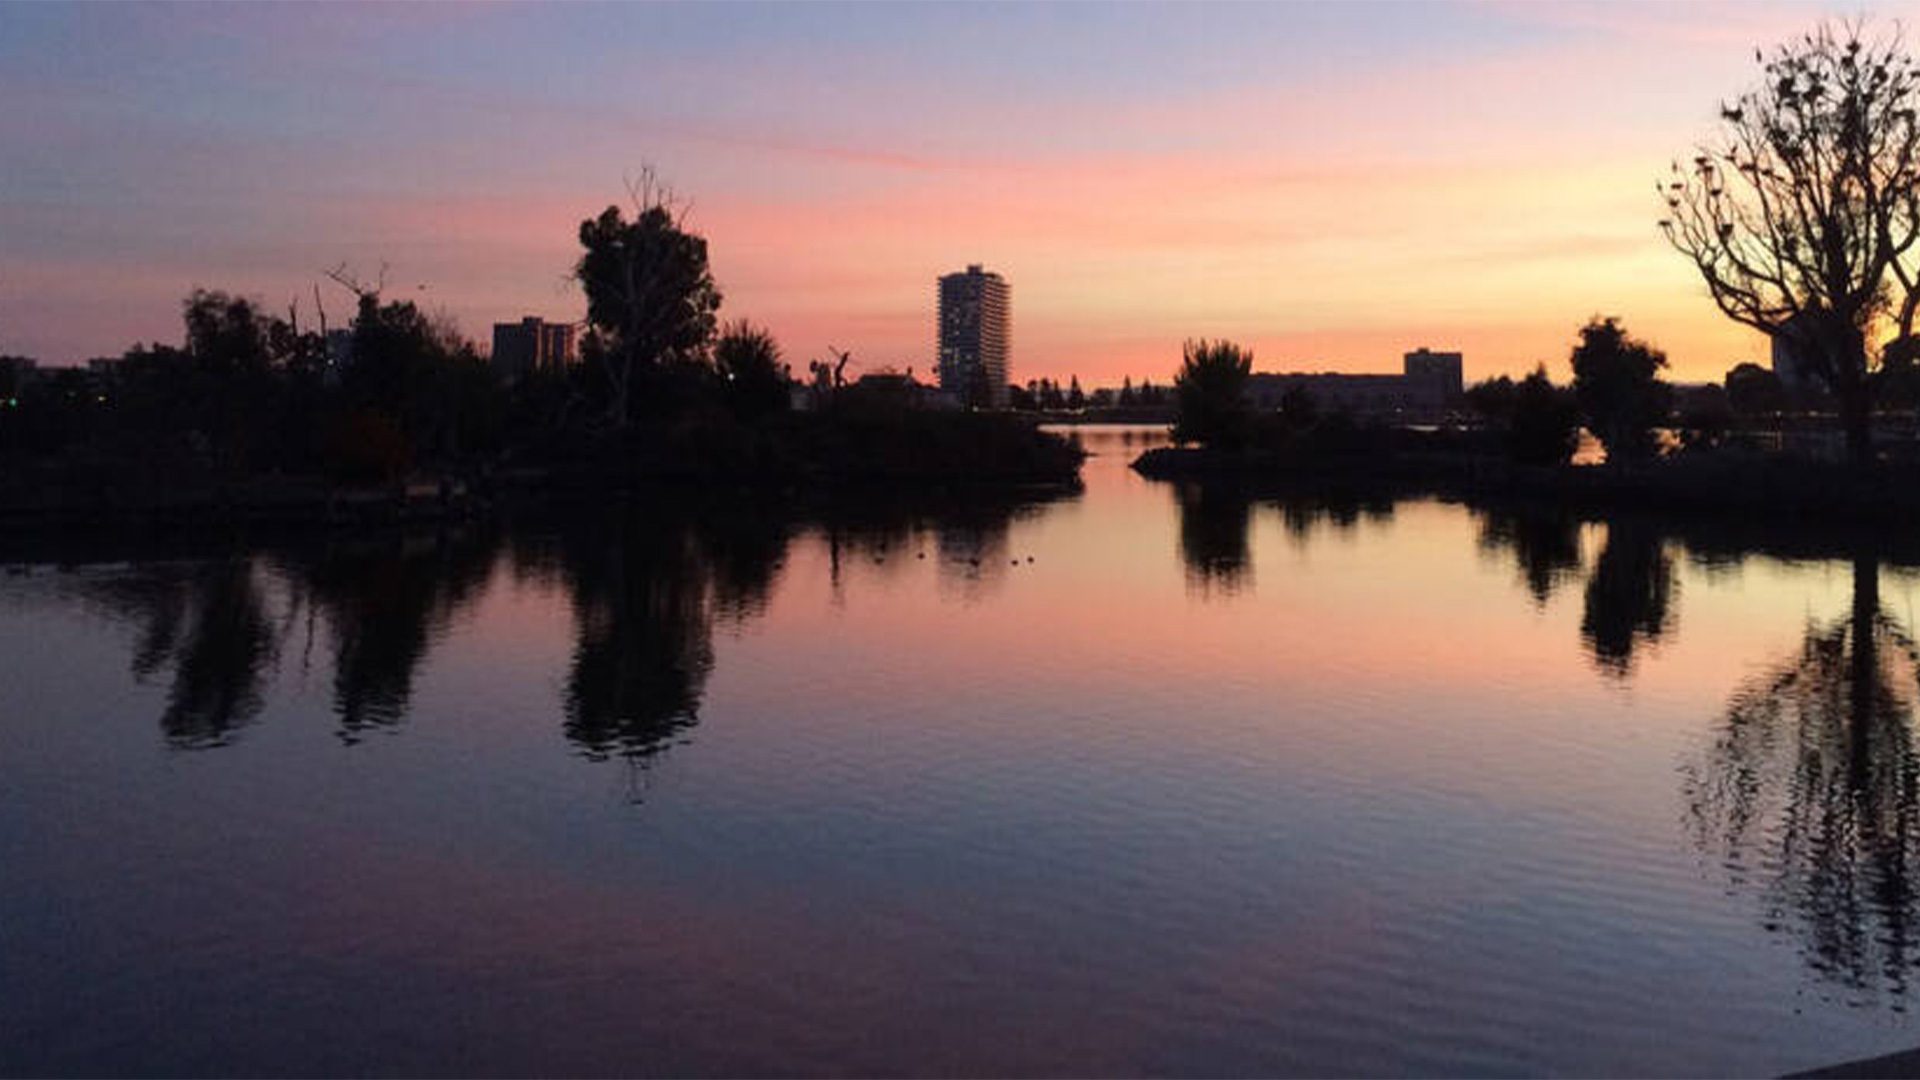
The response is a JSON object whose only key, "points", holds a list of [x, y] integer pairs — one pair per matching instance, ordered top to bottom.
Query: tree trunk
{"points": [[1855, 396], [1856, 419]]}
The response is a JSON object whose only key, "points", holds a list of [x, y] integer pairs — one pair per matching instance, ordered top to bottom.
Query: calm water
{"points": [[1142, 780]]}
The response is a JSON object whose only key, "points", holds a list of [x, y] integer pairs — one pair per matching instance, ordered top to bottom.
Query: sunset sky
{"points": [[1332, 185]]}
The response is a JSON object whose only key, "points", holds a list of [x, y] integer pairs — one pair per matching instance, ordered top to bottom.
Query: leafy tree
{"points": [[1805, 205], [651, 300], [754, 379], [1616, 383], [1897, 383], [412, 388], [1754, 391], [1211, 395], [1076, 399], [1493, 399], [1544, 428]]}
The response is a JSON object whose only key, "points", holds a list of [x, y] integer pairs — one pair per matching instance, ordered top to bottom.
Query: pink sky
{"points": [[1330, 185]]}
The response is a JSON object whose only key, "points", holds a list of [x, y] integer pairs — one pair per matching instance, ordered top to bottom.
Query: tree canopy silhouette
{"points": [[1802, 215], [651, 300], [749, 365], [1617, 386], [1754, 391], [1210, 395], [1544, 426]]}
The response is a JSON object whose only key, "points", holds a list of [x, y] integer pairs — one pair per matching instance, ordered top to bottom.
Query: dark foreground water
{"points": [[1144, 780]]}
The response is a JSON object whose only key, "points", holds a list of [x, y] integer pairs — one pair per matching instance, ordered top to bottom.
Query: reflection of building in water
{"points": [[1429, 384]]}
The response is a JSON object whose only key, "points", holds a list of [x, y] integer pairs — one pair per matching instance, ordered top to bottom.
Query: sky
{"points": [[1331, 185]]}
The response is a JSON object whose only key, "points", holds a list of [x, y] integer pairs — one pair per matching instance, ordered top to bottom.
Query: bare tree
{"points": [[1804, 207]]}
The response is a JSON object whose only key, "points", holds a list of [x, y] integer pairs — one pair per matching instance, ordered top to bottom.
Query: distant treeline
{"points": [[660, 388]]}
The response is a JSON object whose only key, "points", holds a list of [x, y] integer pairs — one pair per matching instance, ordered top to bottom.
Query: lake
{"points": [[1137, 779]]}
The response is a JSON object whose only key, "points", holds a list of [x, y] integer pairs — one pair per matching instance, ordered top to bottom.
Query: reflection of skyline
{"points": [[646, 587]]}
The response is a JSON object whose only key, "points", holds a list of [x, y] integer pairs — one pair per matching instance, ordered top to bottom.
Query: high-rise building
{"points": [[974, 337], [531, 345], [1441, 370]]}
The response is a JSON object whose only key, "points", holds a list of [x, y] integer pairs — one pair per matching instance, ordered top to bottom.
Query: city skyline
{"points": [[1325, 185]]}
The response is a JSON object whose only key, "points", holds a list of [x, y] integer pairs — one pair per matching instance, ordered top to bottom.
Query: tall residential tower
{"points": [[974, 337]]}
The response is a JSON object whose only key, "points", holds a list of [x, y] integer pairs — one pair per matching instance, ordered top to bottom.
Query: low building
{"points": [[532, 346], [1429, 386], [903, 389]]}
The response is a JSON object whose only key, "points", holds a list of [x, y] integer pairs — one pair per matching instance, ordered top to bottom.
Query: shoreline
{"points": [[1717, 485]]}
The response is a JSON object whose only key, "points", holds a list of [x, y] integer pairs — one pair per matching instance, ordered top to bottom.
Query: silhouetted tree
{"points": [[1802, 210], [651, 300], [755, 381], [1897, 383], [1617, 386], [413, 388], [1755, 391], [1211, 395], [1076, 399], [1493, 399], [1544, 427]]}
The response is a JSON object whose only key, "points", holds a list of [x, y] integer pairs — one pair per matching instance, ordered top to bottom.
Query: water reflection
{"points": [[1215, 521], [1216, 524], [1544, 543], [646, 583], [643, 592], [1630, 595], [383, 602], [205, 629], [1807, 794]]}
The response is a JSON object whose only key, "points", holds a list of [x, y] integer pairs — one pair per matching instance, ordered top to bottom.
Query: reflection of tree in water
{"points": [[1340, 511], [1216, 521], [1214, 524], [1544, 543], [646, 589], [1629, 599], [383, 603], [207, 624], [1809, 790]]}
